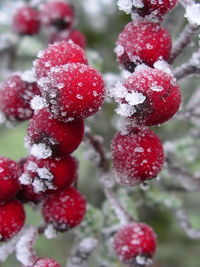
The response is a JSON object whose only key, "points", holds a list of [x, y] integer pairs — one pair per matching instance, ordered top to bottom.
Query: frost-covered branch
{"points": [[184, 40], [186, 225], [82, 252]]}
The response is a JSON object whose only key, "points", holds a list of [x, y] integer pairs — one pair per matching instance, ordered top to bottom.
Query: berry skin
{"points": [[156, 8], [57, 14], [26, 21], [74, 35], [142, 42], [59, 54], [75, 91], [161, 92], [15, 97], [61, 138], [137, 156], [9, 174], [50, 175], [65, 209], [12, 217], [135, 239], [46, 262]]}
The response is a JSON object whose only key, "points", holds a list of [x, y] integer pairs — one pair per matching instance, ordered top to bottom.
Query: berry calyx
{"points": [[155, 8], [57, 13], [26, 21], [74, 35], [142, 42], [58, 54], [75, 91], [161, 96], [15, 97], [58, 138], [137, 156], [9, 174], [49, 175], [65, 209], [12, 217], [135, 241], [46, 262]]}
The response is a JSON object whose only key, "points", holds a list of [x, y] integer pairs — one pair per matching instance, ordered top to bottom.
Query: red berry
{"points": [[156, 8], [57, 13], [26, 21], [74, 35], [142, 42], [58, 54], [73, 91], [161, 96], [15, 97], [61, 138], [137, 156], [9, 174], [49, 175], [27, 194], [65, 209], [12, 217], [135, 240], [46, 262]]}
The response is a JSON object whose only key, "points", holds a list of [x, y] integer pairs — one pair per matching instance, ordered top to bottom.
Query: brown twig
{"points": [[186, 70]]}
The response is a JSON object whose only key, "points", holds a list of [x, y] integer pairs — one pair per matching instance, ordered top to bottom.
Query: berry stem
{"points": [[183, 41]]}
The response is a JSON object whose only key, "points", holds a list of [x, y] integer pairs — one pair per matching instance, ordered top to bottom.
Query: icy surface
{"points": [[193, 13], [41, 151]]}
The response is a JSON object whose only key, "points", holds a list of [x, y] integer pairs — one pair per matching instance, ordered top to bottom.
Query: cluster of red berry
{"points": [[56, 17], [65, 91], [148, 97]]}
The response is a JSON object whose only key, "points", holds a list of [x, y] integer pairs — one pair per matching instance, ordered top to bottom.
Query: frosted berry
{"points": [[156, 8], [57, 13], [26, 21], [74, 35], [142, 42], [58, 54], [74, 91], [161, 96], [15, 97], [58, 137], [137, 156], [9, 174], [49, 175], [27, 194], [65, 209], [12, 217], [134, 242], [46, 262]]}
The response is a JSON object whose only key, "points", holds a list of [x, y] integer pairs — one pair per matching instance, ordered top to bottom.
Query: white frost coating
{"points": [[126, 5], [193, 13], [119, 50], [164, 66], [29, 76], [118, 91], [135, 98], [38, 103], [125, 110], [41, 151], [44, 173], [25, 179], [50, 232], [87, 245], [24, 249], [143, 260]]}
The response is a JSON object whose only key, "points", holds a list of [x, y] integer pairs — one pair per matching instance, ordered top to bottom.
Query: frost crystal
{"points": [[126, 5], [193, 13], [29, 76], [135, 98], [38, 103], [125, 110], [41, 151], [50, 232]]}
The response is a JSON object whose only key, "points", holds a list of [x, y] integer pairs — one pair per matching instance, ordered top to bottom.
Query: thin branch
{"points": [[183, 41], [186, 70], [186, 225], [82, 252]]}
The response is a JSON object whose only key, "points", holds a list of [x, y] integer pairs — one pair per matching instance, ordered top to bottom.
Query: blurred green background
{"points": [[101, 22]]}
